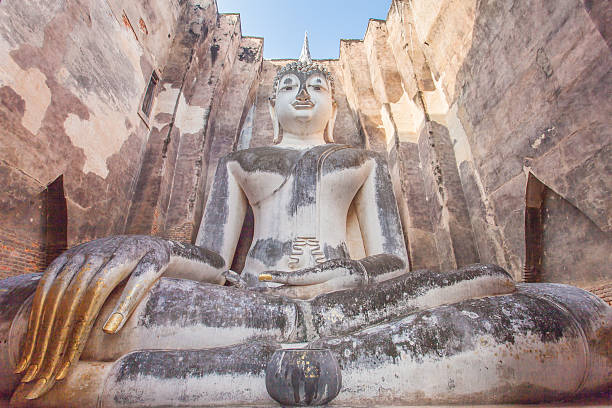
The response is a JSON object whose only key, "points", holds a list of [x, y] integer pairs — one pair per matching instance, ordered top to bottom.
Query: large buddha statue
{"points": [[144, 321]]}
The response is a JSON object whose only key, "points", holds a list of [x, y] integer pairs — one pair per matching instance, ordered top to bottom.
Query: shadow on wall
{"points": [[56, 220]]}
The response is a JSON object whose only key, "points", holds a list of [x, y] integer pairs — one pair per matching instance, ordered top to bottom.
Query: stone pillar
{"points": [[201, 93], [360, 95], [235, 103], [233, 108], [400, 119], [262, 131], [446, 204], [149, 207], [450, 219]]}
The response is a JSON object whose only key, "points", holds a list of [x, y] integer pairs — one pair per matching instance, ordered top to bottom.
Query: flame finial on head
{"points": [[305, 54]]}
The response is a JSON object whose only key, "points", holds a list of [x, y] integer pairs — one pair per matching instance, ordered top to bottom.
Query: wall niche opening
{"points": [[148, 98], [56, 220], [563, 245]]}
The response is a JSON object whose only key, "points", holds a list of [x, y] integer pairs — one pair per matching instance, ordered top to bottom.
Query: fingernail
{"points": [[265, 277], [113, 323], [21, 366], [63, 372], [30, 374], [38, 389]]}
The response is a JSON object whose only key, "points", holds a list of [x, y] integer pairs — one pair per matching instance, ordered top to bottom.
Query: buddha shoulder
{"points": [[266, 159], [281, 160]]}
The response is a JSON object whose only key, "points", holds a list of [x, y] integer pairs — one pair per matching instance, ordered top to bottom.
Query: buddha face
{"points": [[304, 103]]}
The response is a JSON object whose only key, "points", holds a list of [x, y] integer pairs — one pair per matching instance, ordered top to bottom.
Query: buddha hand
{"points": [[307, 283], [69, 297]]}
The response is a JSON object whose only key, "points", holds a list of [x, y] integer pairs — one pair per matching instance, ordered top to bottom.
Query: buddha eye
{"points": [[316, 87], [288, 88]]}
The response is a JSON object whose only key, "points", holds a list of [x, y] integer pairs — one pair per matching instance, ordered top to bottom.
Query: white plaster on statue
{"points": [[354, 239], [191, 270], [472, 373], [210, 390]]}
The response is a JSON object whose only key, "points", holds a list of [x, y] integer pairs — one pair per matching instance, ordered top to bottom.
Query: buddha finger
{"points": [[146, 273], [307, 276], [98, 290], [303, 292], [49, 310], [36, 311], [65, 319]]}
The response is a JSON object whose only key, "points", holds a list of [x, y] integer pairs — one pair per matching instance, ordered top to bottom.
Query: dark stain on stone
{"points": [[214, 51], [248, 54], [544, 63], [12, 101], [267, 159], [346, 159], [305, 176], [305, 180], [388, 213], [215, 216], [269, 251], [192, 252], [334, 252], [382, 264], [15, 290], [391, 299], [182, 303], [446, 331], [246, 359]]}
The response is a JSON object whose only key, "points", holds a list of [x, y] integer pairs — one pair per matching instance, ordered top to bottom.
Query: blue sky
{"points": [[282, 23]]}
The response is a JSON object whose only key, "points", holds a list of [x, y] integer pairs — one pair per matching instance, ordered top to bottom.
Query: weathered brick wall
{"points": [[20, 255], [603, 290]]}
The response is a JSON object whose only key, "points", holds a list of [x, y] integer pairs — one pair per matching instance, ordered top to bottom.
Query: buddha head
{"points": [[302, 100]]}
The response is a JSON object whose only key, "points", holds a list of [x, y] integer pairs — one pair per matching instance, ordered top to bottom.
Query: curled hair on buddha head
{"points": [[304, 66]]}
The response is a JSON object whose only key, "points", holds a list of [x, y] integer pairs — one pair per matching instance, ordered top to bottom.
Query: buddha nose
{"points": [[303, 95]]}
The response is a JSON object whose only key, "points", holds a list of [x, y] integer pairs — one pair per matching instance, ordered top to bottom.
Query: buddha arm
{"points": [[222, 221], [380, 224], [192, 262]]}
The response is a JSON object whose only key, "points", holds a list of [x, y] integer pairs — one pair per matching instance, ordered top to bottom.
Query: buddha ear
{"points": [[329, 129], [278, 131]]}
